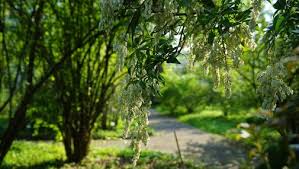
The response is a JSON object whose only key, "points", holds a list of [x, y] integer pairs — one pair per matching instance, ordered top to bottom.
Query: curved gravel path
{"points": [[212, 150]]}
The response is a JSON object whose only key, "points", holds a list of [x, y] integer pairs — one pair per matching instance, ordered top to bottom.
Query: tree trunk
{"points": [[104, 120], [15, 124], [67, 141], [76, 144], [81, 145]]}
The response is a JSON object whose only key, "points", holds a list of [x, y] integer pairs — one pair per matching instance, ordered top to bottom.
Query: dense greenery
{"points": [[70, 67], [269, 74], [178, 96]]}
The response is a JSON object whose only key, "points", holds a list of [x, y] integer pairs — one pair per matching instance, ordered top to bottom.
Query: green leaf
{"points": [[185, 3], [208, 3], [280, 4], [244, 15], [134, 22], [277, 22], [296, 31], [211, 37], [173, 59]]}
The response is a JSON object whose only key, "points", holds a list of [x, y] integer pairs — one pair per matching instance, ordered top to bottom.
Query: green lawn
{"points": [[212, 121], [108, 134], [111, 134], [50, 155]]}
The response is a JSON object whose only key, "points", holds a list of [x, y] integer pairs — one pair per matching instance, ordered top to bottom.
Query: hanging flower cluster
{"points": [[108, 8], [217, 34], [223, 52], [272, 85], [136, 102]]}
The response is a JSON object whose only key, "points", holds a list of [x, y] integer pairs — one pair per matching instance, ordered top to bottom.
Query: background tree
{"points": [[77, 37], [32, 43], [86, 81]]}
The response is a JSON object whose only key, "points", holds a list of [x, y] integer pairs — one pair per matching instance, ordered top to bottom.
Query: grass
{"points": [[212, 121], [115, 133], [108, 134], [26, 154], [50, 155]]}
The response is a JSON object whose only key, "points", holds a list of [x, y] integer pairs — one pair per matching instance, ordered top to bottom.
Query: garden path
{"points": [[212, 150]]}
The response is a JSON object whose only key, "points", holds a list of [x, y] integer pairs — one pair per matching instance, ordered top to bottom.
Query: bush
{"points": [[190, 92], [186, 93]]}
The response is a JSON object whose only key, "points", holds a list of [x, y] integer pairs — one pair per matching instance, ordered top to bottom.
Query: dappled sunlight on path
{"points": [[213, 150]]}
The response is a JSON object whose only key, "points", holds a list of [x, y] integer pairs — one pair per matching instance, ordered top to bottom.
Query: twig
{"points": [[179, 150]]}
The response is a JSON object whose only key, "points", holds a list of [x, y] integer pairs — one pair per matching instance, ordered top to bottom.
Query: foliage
{"points": [[281, 39], [152, 42], [83, 45], [273, 86], [191, 91], [179, 92], [136, 102], [43, 125], [40, 129], [113, 132], [267, 148], [44, 155]]}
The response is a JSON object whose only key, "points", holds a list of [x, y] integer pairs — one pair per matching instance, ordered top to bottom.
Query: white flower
{"points": [[231, 29], [112, 123], [244, 125], [244, 134]]}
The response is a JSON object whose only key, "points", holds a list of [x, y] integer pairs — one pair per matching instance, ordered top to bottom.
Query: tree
{"points": [[152, 26], [160, 30], [218, 32], [59, 35], [33, 42], [30, 48], [87, 80], [85, 85]]}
